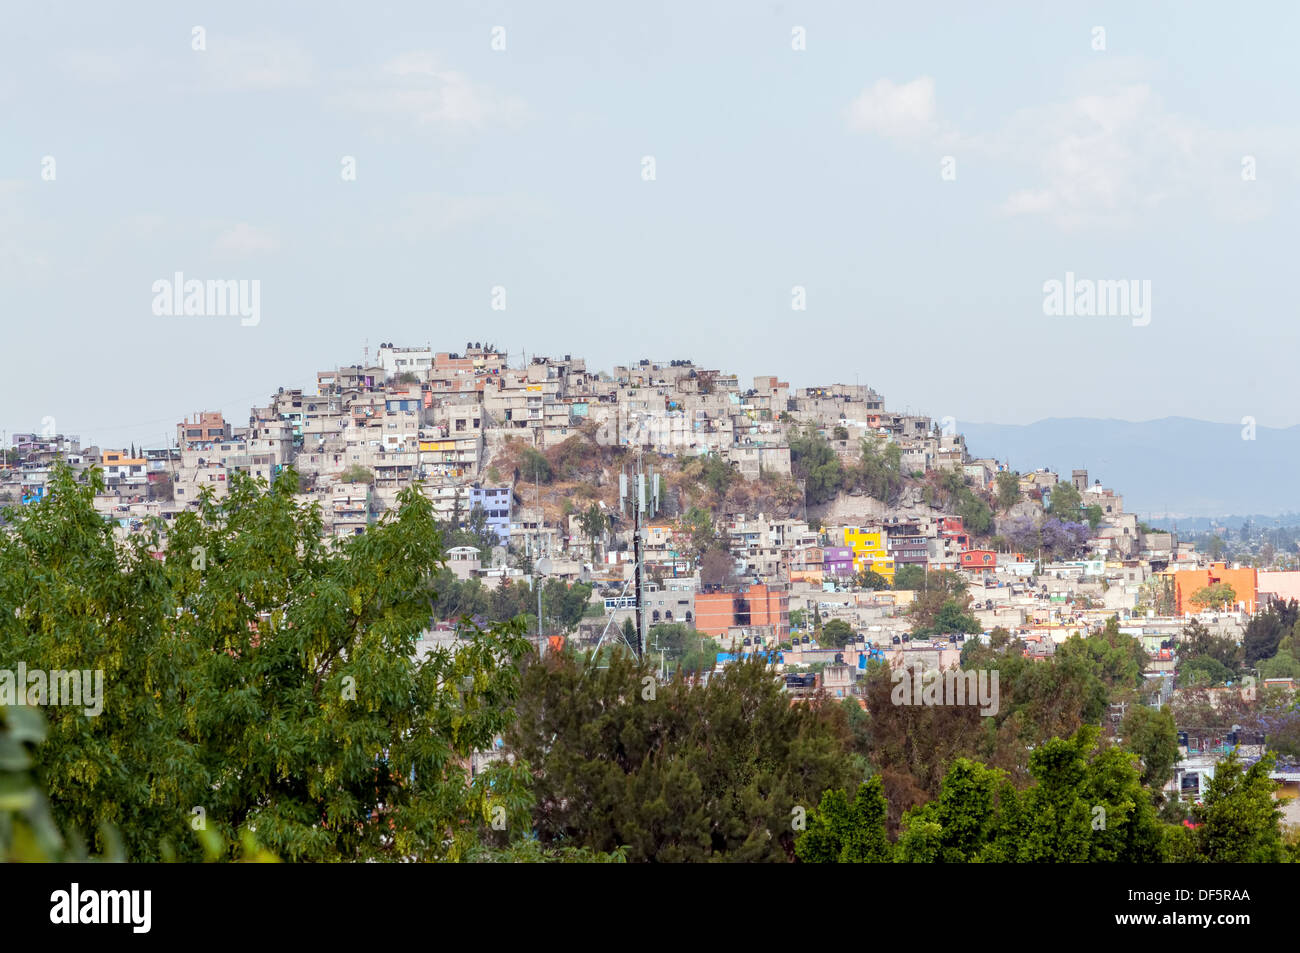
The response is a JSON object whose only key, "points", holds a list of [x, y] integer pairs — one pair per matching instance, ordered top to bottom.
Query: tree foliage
{"points": [[816, 463], [356, 473], [1008, 489], [1066, 503], [1220, 595], [1266, 629], [836, 632], [259, 675], [1152, 735], [675, 771], [1239, 820], [841, 832]]}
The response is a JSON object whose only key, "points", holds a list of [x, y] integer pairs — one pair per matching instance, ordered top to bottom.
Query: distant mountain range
{"points": [[1174, 466]]}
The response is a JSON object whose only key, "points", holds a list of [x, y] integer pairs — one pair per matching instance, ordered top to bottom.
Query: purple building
{"points": [[838, 561]]}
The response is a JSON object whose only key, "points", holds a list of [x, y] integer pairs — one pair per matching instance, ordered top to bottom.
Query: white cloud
{"points": [[413, 88], [905, 111], [1115, 157], [1105, 158], [243, 240]]}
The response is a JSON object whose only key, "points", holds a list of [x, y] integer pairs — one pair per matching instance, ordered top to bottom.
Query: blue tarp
{"points": [[770, 656]]}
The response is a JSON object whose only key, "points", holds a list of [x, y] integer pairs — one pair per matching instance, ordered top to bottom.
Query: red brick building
{"points": [[759, 604]]}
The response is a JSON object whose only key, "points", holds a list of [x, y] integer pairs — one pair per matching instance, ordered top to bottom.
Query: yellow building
{"points": [[869, 551]]}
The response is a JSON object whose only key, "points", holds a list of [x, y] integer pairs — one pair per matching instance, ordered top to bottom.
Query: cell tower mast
{"points": [[639, 490]]}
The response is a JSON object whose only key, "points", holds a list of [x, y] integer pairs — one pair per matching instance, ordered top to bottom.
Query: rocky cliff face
{"points": [[858, 507]]}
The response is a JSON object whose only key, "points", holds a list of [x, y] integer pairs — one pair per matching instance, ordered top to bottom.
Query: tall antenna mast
{"points": [[640, 491]]}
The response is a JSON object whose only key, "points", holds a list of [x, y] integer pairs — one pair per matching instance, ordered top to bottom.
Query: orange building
{"points": [[208, 426], [1244, 583], [758, 604]]}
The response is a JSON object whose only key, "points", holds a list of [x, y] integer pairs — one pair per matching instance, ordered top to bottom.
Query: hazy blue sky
{"points": [[775, 167]]}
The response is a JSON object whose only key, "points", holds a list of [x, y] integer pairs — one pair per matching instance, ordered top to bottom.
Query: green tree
{"points": [[816, 464], [534, 467], [880, 470], [714, 472], [356, 473], [1008, 489], [1066, 503], [975, 513], [593, 522], [696, 525], [474, 531], [909, 576], [870, 579], [1217, 596], [942, 606], [952, 618], [1265, 630], [836, 632], [1197, 641], [683, 647], [1117, 659], [1286, 663], [1202, 671], [260, 675], [1151, 735], [672, 771], [1087, 805], [1239, 819], [962, 825], [840, 832], [28, 833]]}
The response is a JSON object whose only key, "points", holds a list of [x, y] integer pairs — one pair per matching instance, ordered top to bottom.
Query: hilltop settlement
{"points": [[815, 526]]}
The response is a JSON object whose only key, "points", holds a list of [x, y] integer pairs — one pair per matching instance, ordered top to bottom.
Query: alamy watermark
{"points": [[193, 298], [1087, 298], [950, 687], [78, 688], [129, 907]]}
